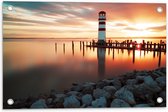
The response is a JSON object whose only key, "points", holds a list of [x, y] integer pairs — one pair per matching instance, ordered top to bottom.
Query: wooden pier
{"points": [[130, 45]]}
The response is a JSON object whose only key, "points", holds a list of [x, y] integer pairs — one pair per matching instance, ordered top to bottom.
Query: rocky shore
{"points": [[134, 89]]}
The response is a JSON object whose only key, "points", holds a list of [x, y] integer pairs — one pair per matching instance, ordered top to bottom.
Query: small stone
{"points": [[141, 73], [140, 79], [131, 81], [116, 83], [75, 84], [101, 84], [77, 88], [88, 88], [110, 89], [52, 93], [75, 93], [97, 93], [126, 95], [59, 98], [87, 99], [49, 100], [71, 102], [101, 102], [119, 103], [39, 104], [142, 105], [83, 106]]}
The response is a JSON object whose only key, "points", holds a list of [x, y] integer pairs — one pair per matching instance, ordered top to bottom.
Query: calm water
{"points": [[32, 67]]}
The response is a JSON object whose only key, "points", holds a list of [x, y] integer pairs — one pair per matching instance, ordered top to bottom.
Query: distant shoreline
{"points": [[88, 38]]}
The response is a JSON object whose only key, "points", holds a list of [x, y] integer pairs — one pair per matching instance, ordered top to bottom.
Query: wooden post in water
{"points": [[93, 42], [108, 42], [72, 43], [83, 43], [116, 44], [127, 44], [143, 44], [80, 45], [147, 45], [151, 46], [154, 46], [158, 46], [55, 47], [64, 48], [73, 48], [83, 48], [133, 60]]}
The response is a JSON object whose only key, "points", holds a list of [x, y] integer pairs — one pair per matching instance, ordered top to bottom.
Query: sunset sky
{"points": [[80, 20]]}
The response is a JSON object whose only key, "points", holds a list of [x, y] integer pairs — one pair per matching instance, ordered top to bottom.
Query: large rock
{"points": [[160, 73], [161, 81], [153, 86], [110, 89], [143, 91], [97, 93], [126, 95], [87, 99], [71, 102], [101, 102], [119, 103], [39, 104], [142, 105]]}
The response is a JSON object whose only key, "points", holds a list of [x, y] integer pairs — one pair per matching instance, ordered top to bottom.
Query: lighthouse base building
{"points": [[102, 28]]}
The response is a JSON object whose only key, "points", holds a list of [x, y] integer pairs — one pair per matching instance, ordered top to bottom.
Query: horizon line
{"points": [[163, 37]]}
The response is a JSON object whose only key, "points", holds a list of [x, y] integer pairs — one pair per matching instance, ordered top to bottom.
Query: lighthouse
{"points": [[102, 28]]}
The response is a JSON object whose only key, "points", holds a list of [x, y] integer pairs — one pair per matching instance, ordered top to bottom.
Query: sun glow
{"points": [[141, 26]]}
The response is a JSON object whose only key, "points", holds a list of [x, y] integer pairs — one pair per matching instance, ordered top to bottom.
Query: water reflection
{"points": [[64, 48], [113, 53], [101, 54], [159, 59], [101, 61], [49, 64]]}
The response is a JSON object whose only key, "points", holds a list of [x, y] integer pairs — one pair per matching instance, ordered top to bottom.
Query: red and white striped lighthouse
{"points": [[102, 28]]}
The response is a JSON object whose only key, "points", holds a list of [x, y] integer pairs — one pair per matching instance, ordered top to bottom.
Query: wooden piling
{"points": [[80, 45], [151, 46], [154, 46], [55, 47], [64, 48]]}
